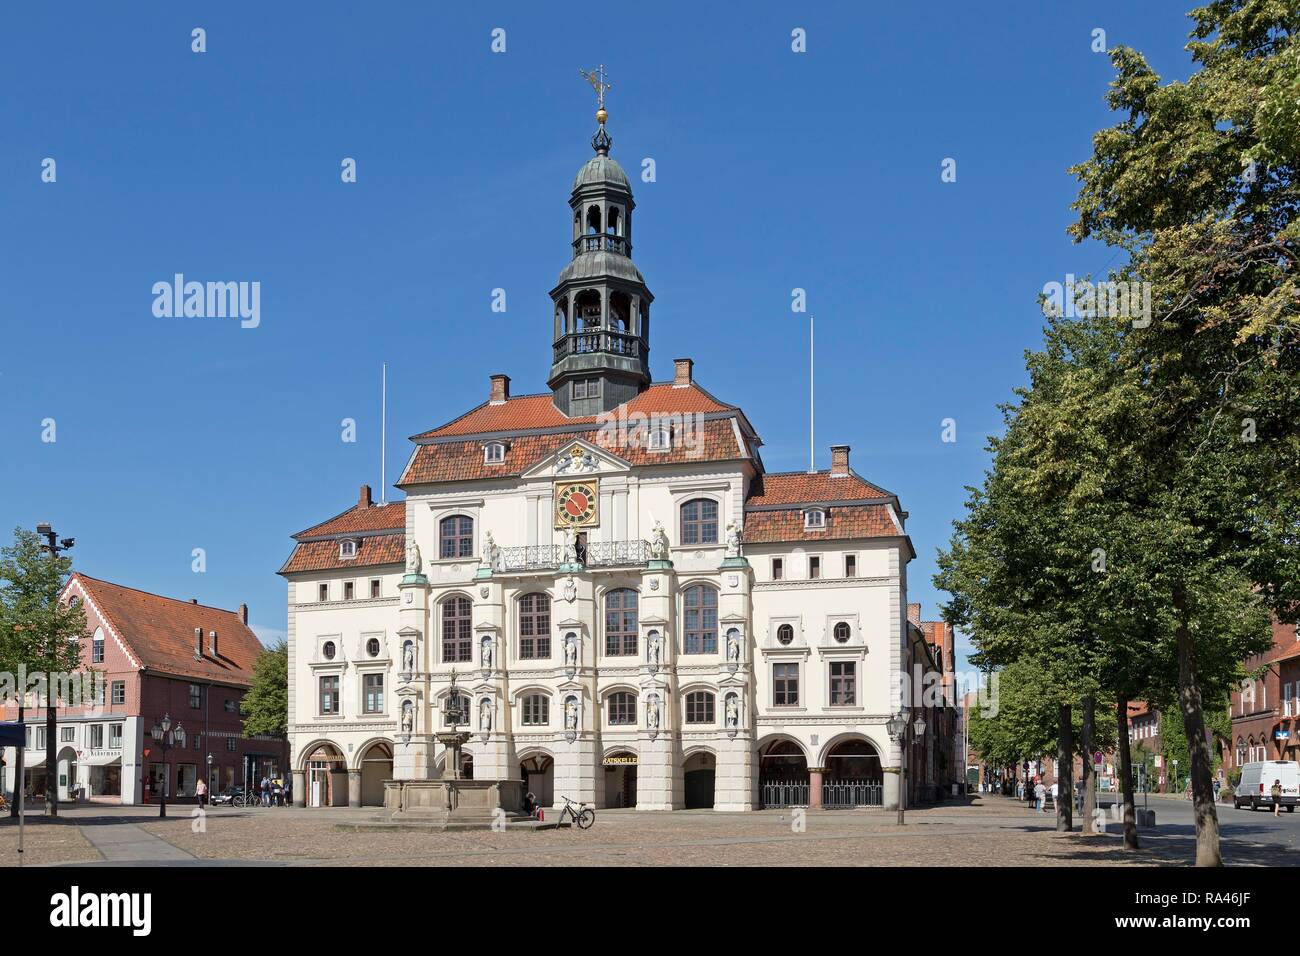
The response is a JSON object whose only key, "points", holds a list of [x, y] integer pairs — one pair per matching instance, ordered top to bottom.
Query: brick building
{"points": [[157, 656], [1265, 708]]}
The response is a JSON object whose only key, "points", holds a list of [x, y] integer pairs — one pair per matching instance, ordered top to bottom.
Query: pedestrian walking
{"points": [[201, 791], [266, 791], [1056, 792], [1040, 797], [1277, 797]]}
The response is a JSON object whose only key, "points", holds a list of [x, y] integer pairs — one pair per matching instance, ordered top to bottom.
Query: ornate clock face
{"points": [[575, 504]]}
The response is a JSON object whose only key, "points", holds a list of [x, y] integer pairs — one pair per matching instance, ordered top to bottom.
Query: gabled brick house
{"points": [[157, 656]]}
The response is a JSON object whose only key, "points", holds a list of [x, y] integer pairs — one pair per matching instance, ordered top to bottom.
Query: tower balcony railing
{"points": [[601, 243], [598, 340], [599, 554]]}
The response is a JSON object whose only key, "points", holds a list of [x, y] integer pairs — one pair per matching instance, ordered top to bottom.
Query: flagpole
{"points": [[383, 438], [812, 454]]}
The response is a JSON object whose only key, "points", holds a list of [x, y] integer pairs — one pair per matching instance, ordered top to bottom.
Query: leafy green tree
{"points": [[1198, 184], [40, 635], [266, 705]]}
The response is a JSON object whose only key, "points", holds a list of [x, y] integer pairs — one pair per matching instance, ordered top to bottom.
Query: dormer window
{"points": [[660, 438], [494, 453], [814, 519], [348, 548]]}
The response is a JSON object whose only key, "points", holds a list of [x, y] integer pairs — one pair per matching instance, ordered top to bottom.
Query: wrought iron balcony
{"points": [[601, 243], [583, 343], [600, 554]]}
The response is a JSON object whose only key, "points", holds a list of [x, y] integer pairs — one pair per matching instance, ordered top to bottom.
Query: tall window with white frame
{"points": [[699, 521], [456, 537], [700, 602], [621, 623], [534, 627], [457, 636], [97, 647], [844, 683], [785, 685], [373, 687], [329, 694], [700, 707], [620, 708], [536, 710]]}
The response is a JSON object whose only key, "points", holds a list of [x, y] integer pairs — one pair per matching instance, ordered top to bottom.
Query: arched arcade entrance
{"points": [[376, 767], [700, 772], [782, 774], [538, 775], [853, 775]]}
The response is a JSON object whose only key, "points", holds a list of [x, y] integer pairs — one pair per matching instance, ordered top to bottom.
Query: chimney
{"points": [[682, 372], [500, 388], [839, 459], [365, 500], [243, 614], [914, 614], [198, 643], [212, 644]]}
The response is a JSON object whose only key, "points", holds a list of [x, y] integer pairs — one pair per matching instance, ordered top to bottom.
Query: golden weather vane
{"points": [[597, 80]]}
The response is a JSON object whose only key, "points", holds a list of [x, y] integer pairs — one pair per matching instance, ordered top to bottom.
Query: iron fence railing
{"points": [[616, 553], [599, 554], [783, 793], [852, 793]]}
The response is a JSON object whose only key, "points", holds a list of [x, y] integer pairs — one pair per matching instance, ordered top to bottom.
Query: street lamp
{"points": [[53, 546], [896, 726], [167, 737]]}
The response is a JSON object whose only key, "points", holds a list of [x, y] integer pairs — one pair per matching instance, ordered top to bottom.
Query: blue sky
{"points": [[775, 170]]}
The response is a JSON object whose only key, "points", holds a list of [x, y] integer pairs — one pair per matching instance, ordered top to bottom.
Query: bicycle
{"points": [[584, 816]]}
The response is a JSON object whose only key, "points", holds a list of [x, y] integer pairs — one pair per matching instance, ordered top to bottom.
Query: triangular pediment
{"points": [[578, 458]]}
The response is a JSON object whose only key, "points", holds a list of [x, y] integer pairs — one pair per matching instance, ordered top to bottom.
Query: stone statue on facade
{"points": [[577, 461], [733, 539], [658, 542], [570, 544], [491, 557], [414, 563], [570, 589], [733, 646], [655, 649], [571, 652], [485, 654], [408, 658], [733, 711], [652, 712], [571, 714], [485, 716], [408, 718]]}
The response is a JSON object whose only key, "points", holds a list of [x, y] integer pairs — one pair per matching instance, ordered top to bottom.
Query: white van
{"points": [[1256, 787]]}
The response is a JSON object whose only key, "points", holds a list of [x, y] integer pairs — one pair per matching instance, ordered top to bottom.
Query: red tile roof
{"points": [[524, 412], [463, 460], [800, 487], [359, 519], [852, 521], [372, 551], [160, 632]]}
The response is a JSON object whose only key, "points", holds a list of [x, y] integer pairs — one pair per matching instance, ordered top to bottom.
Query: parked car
{"points": [[1256, 787], [227, 797]]}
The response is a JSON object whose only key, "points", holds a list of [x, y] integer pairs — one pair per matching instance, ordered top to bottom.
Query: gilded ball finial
{"points": [[601, 116]]}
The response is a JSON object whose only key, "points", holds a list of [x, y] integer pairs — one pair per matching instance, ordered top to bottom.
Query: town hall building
{"points": [[604, 587]]}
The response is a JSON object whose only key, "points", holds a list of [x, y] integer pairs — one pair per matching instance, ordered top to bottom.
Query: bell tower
{"points": [[602, 306]]}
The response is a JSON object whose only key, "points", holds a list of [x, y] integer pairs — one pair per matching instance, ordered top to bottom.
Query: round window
{"points": [[842, 631], [784, 634], [372, 647], [327, 650]]}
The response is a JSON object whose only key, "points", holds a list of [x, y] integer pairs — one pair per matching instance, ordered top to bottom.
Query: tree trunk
{"points": [[1189, 701], [51, 749], [19, 753], [1125, 760], [1065, 770], [1089, 778]]}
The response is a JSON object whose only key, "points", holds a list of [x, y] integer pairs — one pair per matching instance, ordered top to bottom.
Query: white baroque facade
{"points": [[636, 614]]}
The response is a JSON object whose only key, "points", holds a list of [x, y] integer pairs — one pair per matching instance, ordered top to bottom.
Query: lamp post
{"points": [[53, 546], [897, 727], [167, 736]]}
